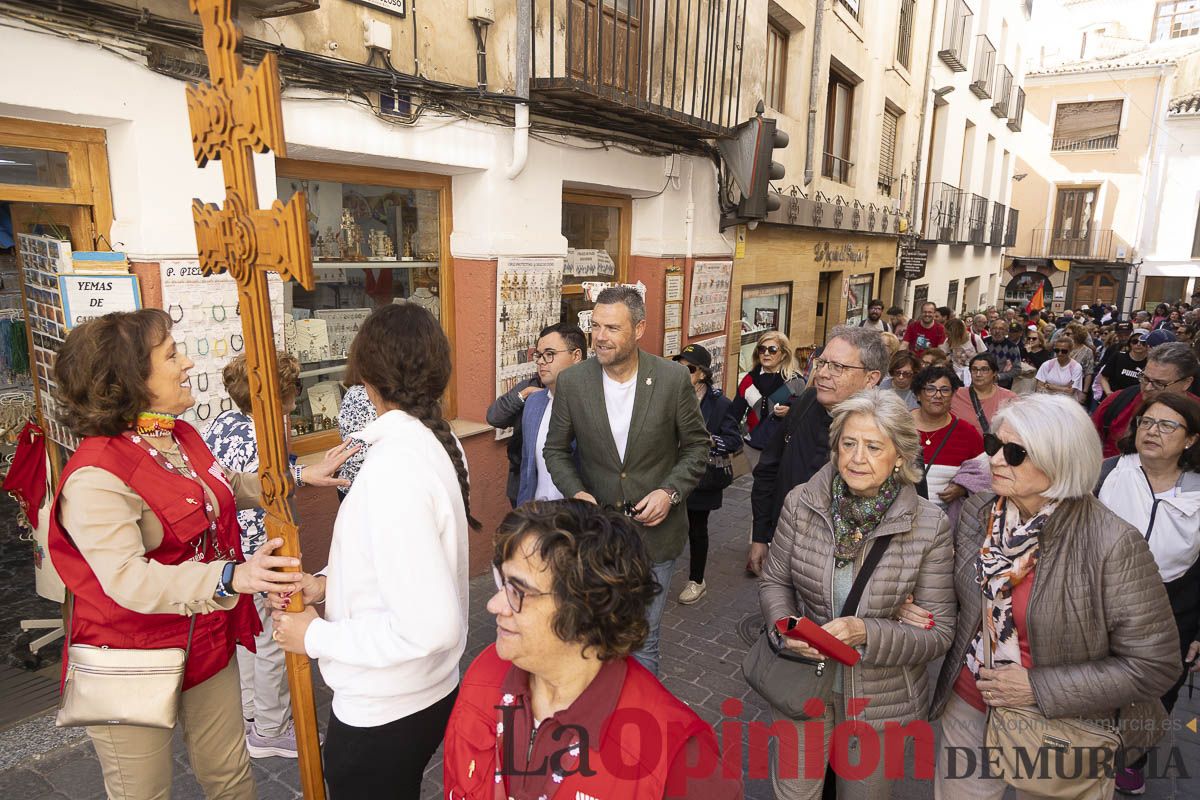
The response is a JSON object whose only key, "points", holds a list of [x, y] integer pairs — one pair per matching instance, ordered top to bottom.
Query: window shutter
{"points": [[887, 149]]}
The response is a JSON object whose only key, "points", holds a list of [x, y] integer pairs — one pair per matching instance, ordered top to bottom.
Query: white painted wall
{"points": [[154, 177]]}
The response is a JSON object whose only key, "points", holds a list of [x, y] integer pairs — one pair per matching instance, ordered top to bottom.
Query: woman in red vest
{"points": [[144, 533], [557, 708]]}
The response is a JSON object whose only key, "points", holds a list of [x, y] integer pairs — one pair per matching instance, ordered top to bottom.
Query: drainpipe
{"points": [[813, 96], [926, 102], [520, 148]]}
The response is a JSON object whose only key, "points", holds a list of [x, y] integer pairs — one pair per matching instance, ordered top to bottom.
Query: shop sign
{"points": [[396, 7], [829, 253], [912, 262], [88, 296]]}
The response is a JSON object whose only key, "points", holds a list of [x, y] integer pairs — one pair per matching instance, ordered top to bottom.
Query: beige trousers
{"points": [[964, 726], [137, 763], [794, 784]]}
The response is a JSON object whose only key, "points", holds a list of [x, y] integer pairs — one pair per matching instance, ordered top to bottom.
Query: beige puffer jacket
{"points": [[797, 579], [1101, 630]]}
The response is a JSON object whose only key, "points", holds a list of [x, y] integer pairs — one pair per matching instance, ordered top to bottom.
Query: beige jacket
{"points": [[797, 579], [1101, 630]]}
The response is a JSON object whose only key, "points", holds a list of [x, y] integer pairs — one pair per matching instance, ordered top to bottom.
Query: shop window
{"points": [[26, 166], [596, 228], [377, 238], [858, 294], [765, 307]]}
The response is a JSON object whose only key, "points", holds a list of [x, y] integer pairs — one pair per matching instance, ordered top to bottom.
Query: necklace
{"points": [[154, 423]]}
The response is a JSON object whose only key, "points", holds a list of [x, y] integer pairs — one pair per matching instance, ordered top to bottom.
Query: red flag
{"points": [[1038, 301]]}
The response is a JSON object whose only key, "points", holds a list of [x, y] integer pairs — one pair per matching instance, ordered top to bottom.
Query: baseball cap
{"points": [[1160, 337], [697, 355]]}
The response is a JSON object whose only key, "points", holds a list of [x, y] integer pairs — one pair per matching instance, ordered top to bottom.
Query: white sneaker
{"points": [[692, 592], [282, 746]]}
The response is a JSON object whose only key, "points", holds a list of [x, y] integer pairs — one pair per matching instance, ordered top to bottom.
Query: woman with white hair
{"points": [[861, 509], [1078, 623]]}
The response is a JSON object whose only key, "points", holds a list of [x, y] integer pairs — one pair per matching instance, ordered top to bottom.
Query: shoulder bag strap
{"points": [[983, 420], [946, 438], [874, 555]]}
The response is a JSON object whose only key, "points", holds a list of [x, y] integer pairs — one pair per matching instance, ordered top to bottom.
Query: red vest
{"points": [[178, 504], [469, 761]]}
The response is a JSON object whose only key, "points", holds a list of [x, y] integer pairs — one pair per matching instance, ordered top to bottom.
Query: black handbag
{"points": [[786, 680]]}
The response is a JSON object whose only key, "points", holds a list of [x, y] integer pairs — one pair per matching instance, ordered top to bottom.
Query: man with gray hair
{"points": [[853, 359], [1170, 369], [641, 443]]}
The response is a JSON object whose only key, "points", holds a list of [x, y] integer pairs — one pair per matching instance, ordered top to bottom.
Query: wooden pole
{"points": [[238, 111]]}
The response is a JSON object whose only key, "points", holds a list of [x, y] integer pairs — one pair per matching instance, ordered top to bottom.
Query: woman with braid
{"points": [[395, 589]]}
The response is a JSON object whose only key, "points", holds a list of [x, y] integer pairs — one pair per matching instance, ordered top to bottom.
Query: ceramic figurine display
{"points": [[381, 245]]}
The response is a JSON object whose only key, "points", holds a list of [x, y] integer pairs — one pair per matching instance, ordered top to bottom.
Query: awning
{"points": [[1186, 270]]}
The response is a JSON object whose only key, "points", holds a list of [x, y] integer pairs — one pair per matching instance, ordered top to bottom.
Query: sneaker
{"points": [[692, 592], [283, 746], [1131, 781]]}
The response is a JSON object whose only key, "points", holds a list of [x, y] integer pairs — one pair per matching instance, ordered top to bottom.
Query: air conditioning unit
{"points": [[277, 8]]}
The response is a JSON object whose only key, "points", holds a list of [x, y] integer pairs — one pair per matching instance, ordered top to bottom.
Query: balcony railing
{"points": [[955, 35], [985, 67], [669, 70], [1004, 92], [1017, 113], [1067, 143], [836, 168], [977, 208], [941, 212], [1010, 232], [996, 233], [1095, 245]]}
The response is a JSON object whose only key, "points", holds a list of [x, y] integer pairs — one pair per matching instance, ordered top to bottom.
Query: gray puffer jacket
{"points": [[797, 579], [1101, 630]]}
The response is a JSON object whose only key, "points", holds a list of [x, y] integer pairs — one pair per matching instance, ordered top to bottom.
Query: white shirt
{"points": [[1056, 375], [618, 400], [546, 490], [1175, 540], [396, 597]]}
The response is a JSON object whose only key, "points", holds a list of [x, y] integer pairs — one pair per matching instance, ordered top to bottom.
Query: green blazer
{"points": [[667, 447]]}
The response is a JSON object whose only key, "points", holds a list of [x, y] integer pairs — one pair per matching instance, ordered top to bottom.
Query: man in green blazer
{"points": [[641, 442]]}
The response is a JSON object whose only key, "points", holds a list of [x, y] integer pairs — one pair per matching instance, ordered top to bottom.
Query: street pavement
{"points": [[701, 664]]}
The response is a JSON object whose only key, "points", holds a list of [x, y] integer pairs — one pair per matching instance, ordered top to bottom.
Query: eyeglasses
{"points": [[1032, 339], [768, 348], [1062, 351], [546, 356], [835, 369], [981, 370], [902, 373], [1150, 383], [944, 391], [1164, 426], [1014, 454], [513, 593]]}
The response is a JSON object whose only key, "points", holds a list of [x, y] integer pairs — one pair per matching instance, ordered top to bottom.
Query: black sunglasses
{"points": [[768, 348], [1014, 454]]}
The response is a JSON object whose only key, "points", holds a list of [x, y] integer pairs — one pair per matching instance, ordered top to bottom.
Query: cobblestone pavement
{"points": [[702, 654]]}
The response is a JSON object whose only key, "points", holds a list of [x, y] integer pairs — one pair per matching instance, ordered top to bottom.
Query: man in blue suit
{"points": [[560, 346]]}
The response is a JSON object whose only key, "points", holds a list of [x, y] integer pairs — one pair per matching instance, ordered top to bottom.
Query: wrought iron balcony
{"points": [[955, 36], [985, 67], [670, 70], [1004, 92], [1017, 113], [1107, 141], [837, 169], [942, 213], [977, 219], [1010, 232], [996, 233], [1094, 245]]}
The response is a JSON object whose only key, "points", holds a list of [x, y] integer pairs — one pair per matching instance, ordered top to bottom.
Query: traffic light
{"points": [[748, 156]]}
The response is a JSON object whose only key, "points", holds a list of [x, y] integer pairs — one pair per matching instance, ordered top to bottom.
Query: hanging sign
{"points": [[912, 262], [86, 297]]}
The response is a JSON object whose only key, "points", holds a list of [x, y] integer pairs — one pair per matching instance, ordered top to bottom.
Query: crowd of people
{"points": [[1017, 496]]}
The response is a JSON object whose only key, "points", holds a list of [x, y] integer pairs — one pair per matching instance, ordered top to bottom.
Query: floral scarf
{"points": [[855, 517], [1008, 555]]}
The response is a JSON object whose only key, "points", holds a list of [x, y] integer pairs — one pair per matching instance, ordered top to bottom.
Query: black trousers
{"points": [[698, 541], [386, 761]]}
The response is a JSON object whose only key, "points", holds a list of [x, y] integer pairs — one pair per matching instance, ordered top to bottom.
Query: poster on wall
{"points": [[674, 290], [710, 297], [528, 298], [207, 325], [671, 341], [716, 347]]}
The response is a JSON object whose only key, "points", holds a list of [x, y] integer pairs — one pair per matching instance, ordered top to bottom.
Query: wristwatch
{"points": [[672, 494], [225, 587]]}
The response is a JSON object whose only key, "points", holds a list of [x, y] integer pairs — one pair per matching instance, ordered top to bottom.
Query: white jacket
{"points": [[1175, 540], [395, 621]]}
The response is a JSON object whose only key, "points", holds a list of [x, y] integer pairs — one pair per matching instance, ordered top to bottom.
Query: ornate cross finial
{"points": [[238, 113]]}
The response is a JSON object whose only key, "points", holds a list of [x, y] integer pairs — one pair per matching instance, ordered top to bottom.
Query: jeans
{"points": [[648, 656]]}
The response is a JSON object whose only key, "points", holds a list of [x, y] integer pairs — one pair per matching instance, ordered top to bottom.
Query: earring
{"points": [[896, 470]]}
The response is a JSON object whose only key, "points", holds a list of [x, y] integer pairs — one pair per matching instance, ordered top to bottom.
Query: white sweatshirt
{"points": [[396, 595]]}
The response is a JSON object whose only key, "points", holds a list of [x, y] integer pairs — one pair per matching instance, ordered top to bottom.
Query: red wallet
{"points": [[825, 643]]}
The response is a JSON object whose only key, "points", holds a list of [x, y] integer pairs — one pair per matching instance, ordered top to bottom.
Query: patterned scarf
{"points": [[854, 517], [1008, 555]]}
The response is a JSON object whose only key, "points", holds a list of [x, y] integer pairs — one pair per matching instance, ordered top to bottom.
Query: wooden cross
{"points": [[239, 111]]}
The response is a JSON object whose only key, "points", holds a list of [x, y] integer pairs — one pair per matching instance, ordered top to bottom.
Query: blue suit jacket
{"points": [[531, 421]]}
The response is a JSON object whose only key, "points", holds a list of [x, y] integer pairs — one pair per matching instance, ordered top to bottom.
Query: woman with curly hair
{"points": [[395, 590], [546, 710]]}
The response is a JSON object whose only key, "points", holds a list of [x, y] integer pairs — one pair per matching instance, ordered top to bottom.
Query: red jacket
{"points": [[177, 502], [469, 765]]}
